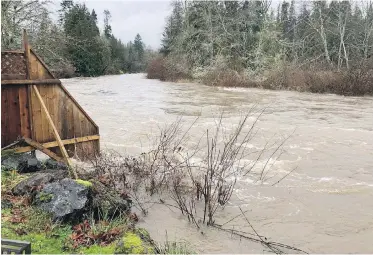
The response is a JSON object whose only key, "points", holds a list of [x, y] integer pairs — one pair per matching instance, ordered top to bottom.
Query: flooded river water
{"points": [[325, 206]]}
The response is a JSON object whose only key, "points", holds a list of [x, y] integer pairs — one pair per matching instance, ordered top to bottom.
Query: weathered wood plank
{"points": [[26, 48], [34, 73], [31, 82], [55, 106], [50, 107], [30, 112], [24, 113], [4, 117], [36, 117], [70, 118], [14, 123], [77, 123], [44, 131], [55, 144]]}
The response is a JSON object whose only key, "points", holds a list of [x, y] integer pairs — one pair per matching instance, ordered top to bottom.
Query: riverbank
{"points": [[357, 81], [59, 215]]}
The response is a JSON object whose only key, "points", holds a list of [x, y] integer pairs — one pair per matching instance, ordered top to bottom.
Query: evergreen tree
{"points": [[107, 27], [173, 28], [138, 47], [86, 52]]}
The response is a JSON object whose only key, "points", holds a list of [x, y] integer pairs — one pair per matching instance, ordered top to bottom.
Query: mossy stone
{"points": [[87, 184], [44, 197]]}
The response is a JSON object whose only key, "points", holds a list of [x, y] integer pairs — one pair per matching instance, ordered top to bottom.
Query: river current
{"points": [[324, 206]]}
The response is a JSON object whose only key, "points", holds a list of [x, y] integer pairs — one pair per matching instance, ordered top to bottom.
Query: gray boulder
{"points": [[10, 163], [24, 163], [30, 164], [53, 164], [26, 186], [65, 199], [69, 199]]}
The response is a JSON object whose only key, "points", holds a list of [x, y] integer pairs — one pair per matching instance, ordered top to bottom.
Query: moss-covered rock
{"points": [[87, 184], [26, 186], [44, 197], [65, 200], [135, 242]]}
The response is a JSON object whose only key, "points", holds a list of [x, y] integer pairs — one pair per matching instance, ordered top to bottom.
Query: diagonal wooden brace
{"points": [[55, 132], [41, 148]]}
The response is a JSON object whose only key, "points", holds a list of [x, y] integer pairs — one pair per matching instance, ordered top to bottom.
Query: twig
{"points": [[274, 249]]}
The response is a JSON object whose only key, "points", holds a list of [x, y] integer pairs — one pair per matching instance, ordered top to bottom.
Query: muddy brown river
{"points": [[325, 206]]}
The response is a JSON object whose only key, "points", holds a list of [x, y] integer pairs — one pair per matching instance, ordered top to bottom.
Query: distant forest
{"points": [[253, 35], [73, 45], [317, 46]]}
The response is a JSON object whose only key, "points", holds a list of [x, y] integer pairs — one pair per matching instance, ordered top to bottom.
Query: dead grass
{"points": [[170, 69], [227, 78], [356, 81], [353, 82]]}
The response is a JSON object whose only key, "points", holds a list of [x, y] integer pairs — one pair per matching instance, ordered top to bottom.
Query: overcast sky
{"points": [[131, 17]]}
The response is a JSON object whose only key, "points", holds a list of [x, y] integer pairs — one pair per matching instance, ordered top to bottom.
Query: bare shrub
{"points": [[172, 68], [156, 69], [65, 70], [221, 74], [227, 78], [358, 80], [202, 187], [198, 188]]}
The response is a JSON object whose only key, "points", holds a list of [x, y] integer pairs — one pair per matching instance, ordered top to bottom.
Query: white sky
{"points": [[131, 17]]}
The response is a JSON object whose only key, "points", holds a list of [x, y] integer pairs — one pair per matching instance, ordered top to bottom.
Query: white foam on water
{"points": [[293, 146], [307, 149], [325, 179], [364, 184], [243, 195]]}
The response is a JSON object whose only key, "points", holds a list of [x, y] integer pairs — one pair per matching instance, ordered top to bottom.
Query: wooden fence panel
{"points": [[22, 114]]}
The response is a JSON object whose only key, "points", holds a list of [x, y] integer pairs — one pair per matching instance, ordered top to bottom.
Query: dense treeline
{"points": [[255, 44], [73, 45]]}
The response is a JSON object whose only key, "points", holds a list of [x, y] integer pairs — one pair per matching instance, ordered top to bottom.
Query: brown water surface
{"points": [[325, 206]]}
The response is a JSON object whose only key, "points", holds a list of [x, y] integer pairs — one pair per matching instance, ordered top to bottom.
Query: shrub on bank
{"points": [[156, 69], [168, 69], [64, 71], [226, 78], [356, 81]]}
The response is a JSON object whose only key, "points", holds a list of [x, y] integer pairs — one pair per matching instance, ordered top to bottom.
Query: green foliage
{"points": [[11, 178], [46, 236], [50, 237], [132, 243], [97, 249]]}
